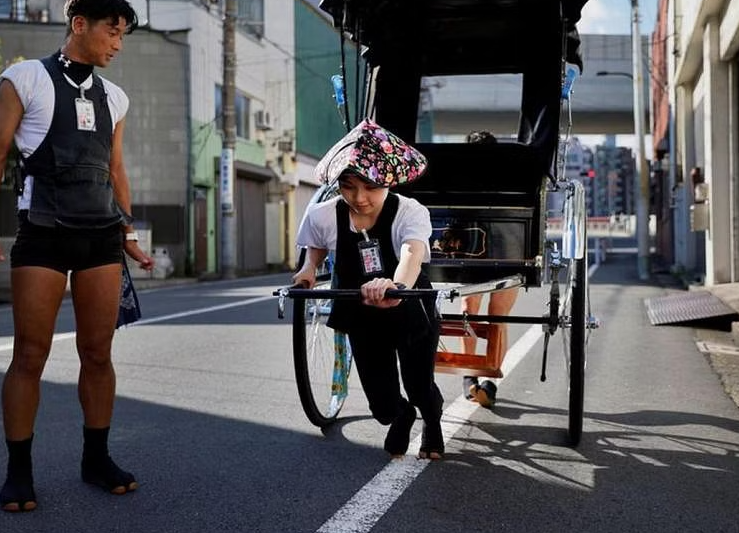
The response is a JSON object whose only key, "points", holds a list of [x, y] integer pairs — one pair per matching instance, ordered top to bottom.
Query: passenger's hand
{"points": [[137, 254], [2, 255], [306, 276], [373, 293]]}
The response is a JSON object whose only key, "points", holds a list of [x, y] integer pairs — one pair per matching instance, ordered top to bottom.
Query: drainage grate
{"points": [[688, 307]]}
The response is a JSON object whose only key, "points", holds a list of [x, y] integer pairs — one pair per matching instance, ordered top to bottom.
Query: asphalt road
{"points": [[209, 420]]}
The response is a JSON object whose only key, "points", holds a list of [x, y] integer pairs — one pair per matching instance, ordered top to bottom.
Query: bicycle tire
{"points": [[574, 338]]}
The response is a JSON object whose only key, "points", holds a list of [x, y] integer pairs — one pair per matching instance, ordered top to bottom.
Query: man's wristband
{"points": [[132, 236], [400, 286]]}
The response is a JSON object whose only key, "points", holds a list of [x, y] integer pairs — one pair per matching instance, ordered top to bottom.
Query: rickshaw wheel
{"points": [[574, 338], [321, 372]]}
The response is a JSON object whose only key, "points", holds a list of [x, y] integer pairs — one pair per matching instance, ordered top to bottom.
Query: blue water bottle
{"points": [[571, 72], [338, 82]]}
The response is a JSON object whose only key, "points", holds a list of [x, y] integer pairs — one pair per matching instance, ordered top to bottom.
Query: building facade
{"points": [[701, 41], [172, 68]]}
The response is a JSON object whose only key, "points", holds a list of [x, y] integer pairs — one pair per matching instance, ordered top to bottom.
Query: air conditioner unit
{"points": [[262, 120]]}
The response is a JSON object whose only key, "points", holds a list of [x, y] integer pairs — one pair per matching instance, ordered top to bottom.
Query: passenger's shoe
{"points": [[469, 387], [486, 393]]}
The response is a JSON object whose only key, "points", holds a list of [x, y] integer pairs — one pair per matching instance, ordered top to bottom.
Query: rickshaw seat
{"points": [[486, 203]]}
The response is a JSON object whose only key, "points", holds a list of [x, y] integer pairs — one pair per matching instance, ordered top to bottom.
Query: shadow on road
{"points": [[198, 472]]}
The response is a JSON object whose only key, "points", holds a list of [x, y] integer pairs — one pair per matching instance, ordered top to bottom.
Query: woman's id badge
{"points": [[85, 114], [369, 252]]}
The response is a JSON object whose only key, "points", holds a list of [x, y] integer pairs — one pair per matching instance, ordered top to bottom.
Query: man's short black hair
{"points": [[101, 10]]}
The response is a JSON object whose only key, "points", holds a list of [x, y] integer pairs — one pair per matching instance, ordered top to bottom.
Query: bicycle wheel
{"points": [[574, 327]]}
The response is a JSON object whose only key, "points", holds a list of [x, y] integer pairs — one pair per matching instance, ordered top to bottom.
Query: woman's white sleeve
{"points": [[416, 225]]}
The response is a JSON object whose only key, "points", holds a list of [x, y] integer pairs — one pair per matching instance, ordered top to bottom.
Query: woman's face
{"points": [[362, 197]]}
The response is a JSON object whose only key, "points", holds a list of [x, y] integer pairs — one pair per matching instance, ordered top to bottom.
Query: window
{"points": [[5, 9], [251, 17], [447, 101], [242, 106], [219, 107]]}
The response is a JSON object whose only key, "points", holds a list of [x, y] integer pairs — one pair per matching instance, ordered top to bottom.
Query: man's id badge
{"points": [[85, 114], [369, 253]]}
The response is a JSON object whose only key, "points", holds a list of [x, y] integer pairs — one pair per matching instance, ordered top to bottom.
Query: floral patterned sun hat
{"points": [[374, 153]]}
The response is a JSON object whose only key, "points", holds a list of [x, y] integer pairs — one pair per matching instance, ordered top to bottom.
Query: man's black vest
{"points": [[71, 167]]}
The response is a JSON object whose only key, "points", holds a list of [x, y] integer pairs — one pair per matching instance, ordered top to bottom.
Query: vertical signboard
{"points": [[227, 180]]}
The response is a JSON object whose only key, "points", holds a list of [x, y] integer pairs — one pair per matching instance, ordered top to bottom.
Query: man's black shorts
{"points": [[64, 249]]}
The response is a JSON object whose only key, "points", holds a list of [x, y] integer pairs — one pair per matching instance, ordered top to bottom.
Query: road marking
{"points": [[200, 311], [371, 502], [366, 507], [362, 512]]}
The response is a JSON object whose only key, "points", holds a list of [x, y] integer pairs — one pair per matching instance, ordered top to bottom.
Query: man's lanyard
{"points": [[84, 108]]}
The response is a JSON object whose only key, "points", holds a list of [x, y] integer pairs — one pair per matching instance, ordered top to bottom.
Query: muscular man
{"points": [[74, 216]]}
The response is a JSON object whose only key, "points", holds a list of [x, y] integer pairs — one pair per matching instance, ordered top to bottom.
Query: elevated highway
{"points": [[601, 104]]}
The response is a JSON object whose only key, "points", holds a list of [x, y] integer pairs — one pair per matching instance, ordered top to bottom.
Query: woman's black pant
{"points": [[377, 352]]}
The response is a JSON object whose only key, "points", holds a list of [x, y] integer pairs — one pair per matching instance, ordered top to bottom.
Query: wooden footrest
{"points": [[467, 364]]}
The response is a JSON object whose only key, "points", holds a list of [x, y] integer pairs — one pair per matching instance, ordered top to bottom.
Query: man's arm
{"points": [[11, 112], [118, 176], [122, 192]]}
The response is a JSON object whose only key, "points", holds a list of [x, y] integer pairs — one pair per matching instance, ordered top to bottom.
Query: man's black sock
{"points": [[95, 446], [19, 457]]}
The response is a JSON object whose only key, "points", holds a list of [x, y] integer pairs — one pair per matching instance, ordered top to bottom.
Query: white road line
{"points": [[200, 311], [371, 502], [366, 507], [362, 512]]}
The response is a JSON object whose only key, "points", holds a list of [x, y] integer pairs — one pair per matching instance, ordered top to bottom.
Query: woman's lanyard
{"points": [[84, 109], [369, 251]]}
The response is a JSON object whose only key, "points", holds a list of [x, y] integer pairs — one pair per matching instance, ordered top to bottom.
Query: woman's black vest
{"points": [[71, 167], [347, 315]]}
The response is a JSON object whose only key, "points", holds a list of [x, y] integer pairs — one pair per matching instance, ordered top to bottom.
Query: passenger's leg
{"points": [[37, 293], [96, 296], [500, 304], [471, 306]]}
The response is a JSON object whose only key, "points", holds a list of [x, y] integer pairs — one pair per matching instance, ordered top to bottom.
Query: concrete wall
{"points": [[706, 84]]}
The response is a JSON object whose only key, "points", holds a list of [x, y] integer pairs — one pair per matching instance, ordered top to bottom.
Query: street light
{"points": [[614, 73], [631, 77], [641, 177]]}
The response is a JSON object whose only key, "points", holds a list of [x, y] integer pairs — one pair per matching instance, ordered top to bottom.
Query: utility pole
{"points": [[228, 97], [641, 176]]}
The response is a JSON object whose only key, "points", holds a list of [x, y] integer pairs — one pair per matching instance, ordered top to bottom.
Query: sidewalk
{"points": [[721, 347]]}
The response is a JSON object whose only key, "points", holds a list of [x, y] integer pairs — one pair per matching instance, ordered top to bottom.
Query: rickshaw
{"points": [[490, 220]]}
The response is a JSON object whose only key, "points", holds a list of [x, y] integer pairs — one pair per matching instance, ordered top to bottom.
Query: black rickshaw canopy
{"points": [[459, 36]]}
